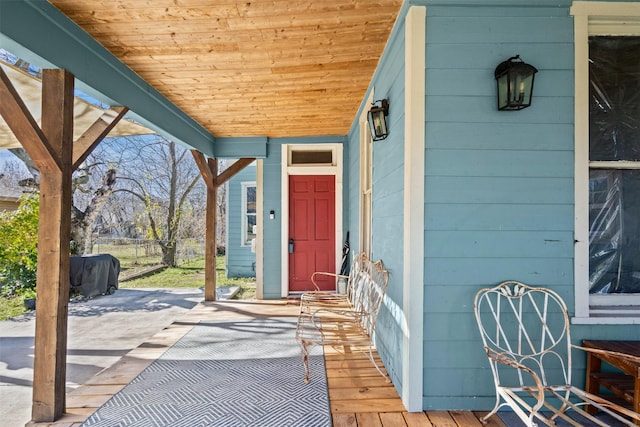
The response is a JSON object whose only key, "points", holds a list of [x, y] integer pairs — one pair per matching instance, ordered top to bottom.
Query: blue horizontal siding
{"points": [[468, 8], [524, 29], [482, 55], [478, 82], [483, 109], [500, 136], [499, 163], [498, 185], [272, 189], [500, 190], [482, 217], [505, 244], [239, 260], [445, 274], [456, 302], [449, 382], [466, 403]]}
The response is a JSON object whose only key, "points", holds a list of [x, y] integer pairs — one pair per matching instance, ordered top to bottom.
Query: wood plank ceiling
{"points": [[277, 68]]}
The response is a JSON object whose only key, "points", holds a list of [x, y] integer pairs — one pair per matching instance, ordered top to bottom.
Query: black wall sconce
{"points": [[515, 83], [377, 121]]}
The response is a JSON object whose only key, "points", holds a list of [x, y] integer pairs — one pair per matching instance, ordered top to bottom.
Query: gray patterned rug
{"points": [[240, 373]]}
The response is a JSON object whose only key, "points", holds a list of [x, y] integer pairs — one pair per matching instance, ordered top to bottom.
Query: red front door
{"points": [[311, 230]]}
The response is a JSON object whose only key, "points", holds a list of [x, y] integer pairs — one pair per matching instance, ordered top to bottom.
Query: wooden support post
{"points": [[52, 150], [209, 171], [210, 274], [49, 365]]}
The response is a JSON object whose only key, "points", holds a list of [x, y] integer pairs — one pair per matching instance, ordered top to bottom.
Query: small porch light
{"points": [[515, 83], [377, 121]]}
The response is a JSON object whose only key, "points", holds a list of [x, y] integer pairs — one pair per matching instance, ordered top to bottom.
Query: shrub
{"points": [[18, 247]]}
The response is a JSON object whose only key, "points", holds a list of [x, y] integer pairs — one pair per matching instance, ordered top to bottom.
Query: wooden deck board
{"points": [[354, 393], [368, 405], [465, 418], [369, 419], [392, 419], [416, 419], [441, 419], [345, 420]]}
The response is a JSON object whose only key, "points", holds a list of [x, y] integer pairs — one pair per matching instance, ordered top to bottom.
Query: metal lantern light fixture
{"points": [[515, 83], [377, 121]]}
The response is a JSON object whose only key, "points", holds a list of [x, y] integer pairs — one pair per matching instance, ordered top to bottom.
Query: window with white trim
{"points": [[607, 147], [366, 188], [248, 227]]}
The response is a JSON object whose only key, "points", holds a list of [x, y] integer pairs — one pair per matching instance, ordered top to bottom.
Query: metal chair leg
{"points": [[373, 360], [305, 361]]}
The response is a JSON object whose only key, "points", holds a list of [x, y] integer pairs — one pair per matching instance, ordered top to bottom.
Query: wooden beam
{"points": [[18, 117], [90, 139], [232, 170], [205, 171], [209, 171], [210, 236], [49, 364]]}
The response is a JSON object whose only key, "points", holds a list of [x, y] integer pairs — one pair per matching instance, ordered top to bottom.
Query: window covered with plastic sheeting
{"points": [[614, 164]]}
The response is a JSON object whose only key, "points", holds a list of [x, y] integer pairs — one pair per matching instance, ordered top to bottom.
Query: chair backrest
{"points": [[355, 273], [369, 292], [528, 325]]}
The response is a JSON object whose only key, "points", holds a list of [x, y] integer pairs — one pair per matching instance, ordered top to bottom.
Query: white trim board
{"points": [[592, 18], [414, 152]]}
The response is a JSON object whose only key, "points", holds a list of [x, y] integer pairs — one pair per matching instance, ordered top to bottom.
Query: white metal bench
{"points": [[344, 319], [526, 336]]}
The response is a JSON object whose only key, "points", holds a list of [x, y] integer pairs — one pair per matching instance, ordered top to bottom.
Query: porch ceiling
{"points": [[279, 68]]}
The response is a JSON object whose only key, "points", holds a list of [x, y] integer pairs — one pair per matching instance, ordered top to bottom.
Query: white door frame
{"points": [[336, 170]]}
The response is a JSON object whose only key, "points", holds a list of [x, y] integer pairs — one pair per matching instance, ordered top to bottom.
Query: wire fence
{"points": [[142, 252]]}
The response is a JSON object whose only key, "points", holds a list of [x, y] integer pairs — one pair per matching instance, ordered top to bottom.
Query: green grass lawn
{"points": [[188, 275], [191, 275], [11, 307]]}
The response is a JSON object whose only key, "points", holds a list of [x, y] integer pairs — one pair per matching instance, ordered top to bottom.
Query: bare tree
{"points": [[21, 154], [12, 172], [161, 175], [159, 191], [83, 215], [82, 221]]}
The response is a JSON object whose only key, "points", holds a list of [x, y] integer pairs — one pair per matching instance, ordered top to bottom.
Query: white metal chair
{"points": [[317, 299], [350, 321], [526, 335]]}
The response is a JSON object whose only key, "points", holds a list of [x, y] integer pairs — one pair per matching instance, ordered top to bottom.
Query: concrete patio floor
{"points": [[101, 331]]}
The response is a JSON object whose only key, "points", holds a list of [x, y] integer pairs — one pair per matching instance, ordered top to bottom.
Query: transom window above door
{"points": [[312, 156]]}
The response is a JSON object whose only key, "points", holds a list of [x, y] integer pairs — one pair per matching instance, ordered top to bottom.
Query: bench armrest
{"points": [[323, 273], [333, 312], [537, 391]]}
